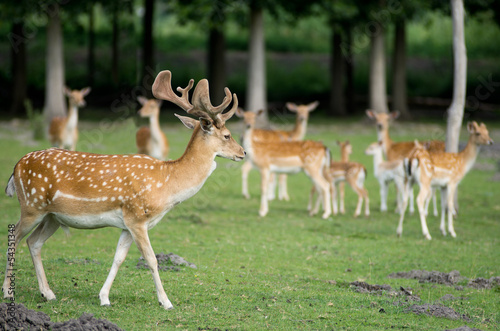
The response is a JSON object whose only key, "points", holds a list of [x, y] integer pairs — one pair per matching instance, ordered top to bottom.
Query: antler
{"points": [[162, 89], [201, 107]]}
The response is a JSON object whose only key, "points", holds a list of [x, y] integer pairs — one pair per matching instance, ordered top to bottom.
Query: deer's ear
{"points": [[86, 90], [67, 91], [142, 100], [159, 102], [312, 105], [291, 106], [239, 112], [259, 112], [370, 114], [395, 114], [189, 122], [206, 125], [471, 126]]}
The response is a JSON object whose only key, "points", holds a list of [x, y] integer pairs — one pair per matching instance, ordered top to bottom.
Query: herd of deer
{"points": [[66, 188]]}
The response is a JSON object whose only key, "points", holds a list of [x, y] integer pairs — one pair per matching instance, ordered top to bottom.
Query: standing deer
{"points": [[63, 131], [296, 134], [151, 140], [398, 150], [287, 157], [445, 171], [353, 173], [59, 188]]}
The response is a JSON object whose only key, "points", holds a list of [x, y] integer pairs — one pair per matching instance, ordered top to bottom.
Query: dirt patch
{"points": [[167, 262], [424, 276], [449, 279], [483, 283], [406, 293], [437, 311], [17, 317], [463, 328]]}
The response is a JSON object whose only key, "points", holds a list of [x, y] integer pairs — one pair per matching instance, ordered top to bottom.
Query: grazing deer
{"points": [[63, 131], [296, 134], [151, 140], [398, 150], [286, 157], [345, 171], [446, 171], [387, 172], [59, 188]]}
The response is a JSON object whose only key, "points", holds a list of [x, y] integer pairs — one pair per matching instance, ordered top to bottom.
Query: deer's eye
{"points": [[227, 136]]}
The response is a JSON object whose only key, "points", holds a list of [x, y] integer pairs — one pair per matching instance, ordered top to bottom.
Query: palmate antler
{"points": [[201, 106]]}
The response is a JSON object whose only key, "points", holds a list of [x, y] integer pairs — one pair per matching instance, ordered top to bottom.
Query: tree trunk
{"points": [[147, 45], [91, 49], [217, 64], [349, 68], [19, 71], [115, 72], [256, 81], [378, 93], [399, 96], [337, 102], [55, 104], [456, 110]]}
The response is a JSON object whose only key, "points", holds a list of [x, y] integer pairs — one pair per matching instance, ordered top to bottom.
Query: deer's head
{"points": [[211, 122]]}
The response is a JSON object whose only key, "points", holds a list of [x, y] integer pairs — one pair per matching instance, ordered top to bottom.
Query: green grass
{"points": [[285, 271]]}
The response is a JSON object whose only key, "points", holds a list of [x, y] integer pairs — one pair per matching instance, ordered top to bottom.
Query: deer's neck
{"points": [[72, 117], [154, 126], [299, 131], [386, 140], [469, 154], [344, 156], [377, 160], [186, 175]]}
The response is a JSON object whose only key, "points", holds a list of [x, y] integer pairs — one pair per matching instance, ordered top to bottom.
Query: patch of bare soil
{"points": [[167, 262], [423, 276], [449, 279], [406, 293], [437, 311], [17, 317], [463, 328]]}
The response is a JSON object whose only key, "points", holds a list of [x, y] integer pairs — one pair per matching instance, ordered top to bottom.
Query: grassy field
{"points": [[285, 271]]}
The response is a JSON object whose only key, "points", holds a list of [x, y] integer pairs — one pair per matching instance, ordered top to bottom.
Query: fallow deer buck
{"points": [[63, 131], [296, 134], [151, 140], [398, 150], [286, 157], [445, 171], [353, 173], [59, 188]]}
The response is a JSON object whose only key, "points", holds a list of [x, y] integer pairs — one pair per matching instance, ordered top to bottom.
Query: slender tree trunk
{"points": [[147, 45], [91, 49], [217, 64], [349, 68], [19, 71], [115, 72], [256, 81], [378, 92], [399, 95], [337, 102], [55, 104], [456, 110]]}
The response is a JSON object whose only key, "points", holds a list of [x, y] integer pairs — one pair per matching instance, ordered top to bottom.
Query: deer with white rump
{"points": [[63, 131], [151, 140], [287, 157], [445, 171], [59, 188]]}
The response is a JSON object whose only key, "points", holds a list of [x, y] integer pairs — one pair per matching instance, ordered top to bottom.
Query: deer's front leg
{"points": [[264, 185], [141, 238], [121, 253]]}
